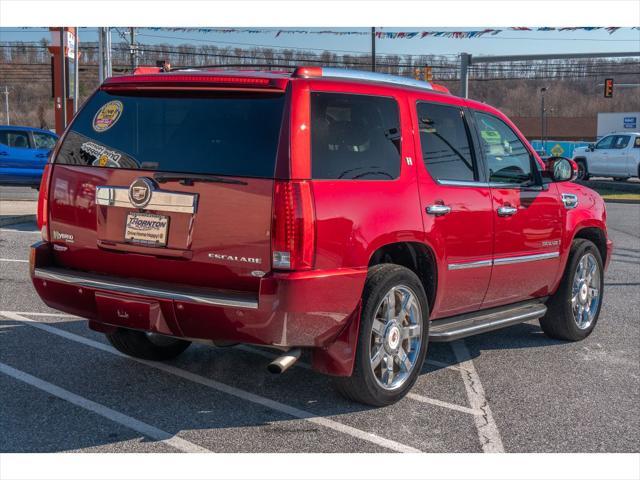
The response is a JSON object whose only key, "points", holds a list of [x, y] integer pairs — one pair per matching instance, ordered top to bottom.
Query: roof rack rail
{"points": [[331, 72]]}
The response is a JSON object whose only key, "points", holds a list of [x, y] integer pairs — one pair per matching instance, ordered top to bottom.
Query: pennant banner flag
{"points": [[393, 35]]}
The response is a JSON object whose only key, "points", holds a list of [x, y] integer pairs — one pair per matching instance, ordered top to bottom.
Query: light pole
{"points": [[542, 92]]}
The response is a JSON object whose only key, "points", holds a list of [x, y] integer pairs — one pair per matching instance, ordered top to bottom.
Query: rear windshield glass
{"points": [[235, 134]]}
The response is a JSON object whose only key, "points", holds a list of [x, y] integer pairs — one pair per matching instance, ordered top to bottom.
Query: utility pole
{"points": [[132, 47], [373, 49], [100, 55], [465, 61], [76, 72], [63, 77], [542, 92], [6, 103]]}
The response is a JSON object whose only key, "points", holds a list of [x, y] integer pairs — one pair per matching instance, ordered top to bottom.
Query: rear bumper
{"points": [[302, 309]]}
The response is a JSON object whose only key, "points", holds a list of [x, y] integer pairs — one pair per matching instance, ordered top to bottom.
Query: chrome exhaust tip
{"points": [[283, 362]]}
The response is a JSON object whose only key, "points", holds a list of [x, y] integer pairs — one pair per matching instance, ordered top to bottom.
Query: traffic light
{"points": [[608, 88]]}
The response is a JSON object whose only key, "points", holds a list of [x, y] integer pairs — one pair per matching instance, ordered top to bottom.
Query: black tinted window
{"points": [[232, 134], [354, 137], [15, 139], [445, 143], [508, 159]]}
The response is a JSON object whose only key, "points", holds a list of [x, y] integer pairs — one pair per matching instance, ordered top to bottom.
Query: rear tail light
{"points": [[42, 214], [293, 233]]}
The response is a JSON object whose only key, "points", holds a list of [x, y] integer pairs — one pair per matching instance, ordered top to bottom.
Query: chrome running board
{"points": [[461, 326]]}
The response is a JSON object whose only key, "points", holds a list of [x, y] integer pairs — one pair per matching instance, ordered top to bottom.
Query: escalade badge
{"points": [[140, 192]]}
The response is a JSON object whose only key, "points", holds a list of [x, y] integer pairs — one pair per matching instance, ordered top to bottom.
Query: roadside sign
{"points": [[630, 122], [557, 150]]}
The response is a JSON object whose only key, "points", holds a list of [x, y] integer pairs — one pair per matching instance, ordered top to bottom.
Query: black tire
{"points": [[583, 171], [559, 320], [138, 344], [362, 385]]}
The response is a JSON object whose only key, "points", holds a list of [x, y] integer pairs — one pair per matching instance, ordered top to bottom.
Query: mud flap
{"points": [[338, 357]]}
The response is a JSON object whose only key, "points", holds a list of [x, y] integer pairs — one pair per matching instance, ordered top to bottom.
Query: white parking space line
{"points": [[11, 230], [13, 260], [43, 314], [224, 388], [419, 398], [440, 403], [106, 412], [488, 433]]}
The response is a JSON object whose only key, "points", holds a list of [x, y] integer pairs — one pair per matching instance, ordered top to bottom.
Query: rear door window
{"points": [[233, 134], [355, 137], [14, 138], [621, 141], [445, 143]]}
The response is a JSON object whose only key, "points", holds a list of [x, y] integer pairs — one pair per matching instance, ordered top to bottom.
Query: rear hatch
{"points": [[169, 185]]}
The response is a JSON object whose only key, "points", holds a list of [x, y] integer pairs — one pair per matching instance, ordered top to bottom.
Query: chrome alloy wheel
{"points": [[585, 293], [396, 337]]}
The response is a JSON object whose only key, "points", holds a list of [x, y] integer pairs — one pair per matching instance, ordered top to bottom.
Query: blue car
{"points": [[23, 154]]}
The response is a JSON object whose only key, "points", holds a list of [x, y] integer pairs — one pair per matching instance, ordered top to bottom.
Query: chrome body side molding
{"points": [[525, 258], [503, 261], [462, 266], [144, 288]]}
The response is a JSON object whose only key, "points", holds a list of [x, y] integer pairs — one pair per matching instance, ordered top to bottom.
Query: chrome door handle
{"points": [[438, 210], [507, 211]]}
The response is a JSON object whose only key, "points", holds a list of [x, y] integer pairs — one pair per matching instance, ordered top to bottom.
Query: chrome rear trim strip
{"points": [[161, 200], [503, 261], [115, 285]]}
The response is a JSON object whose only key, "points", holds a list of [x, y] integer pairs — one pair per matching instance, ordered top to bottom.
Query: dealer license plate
{"points": [[146, 229]]}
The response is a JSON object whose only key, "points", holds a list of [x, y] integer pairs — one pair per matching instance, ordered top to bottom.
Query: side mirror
{"points": [[591, 147], [561, 169]]}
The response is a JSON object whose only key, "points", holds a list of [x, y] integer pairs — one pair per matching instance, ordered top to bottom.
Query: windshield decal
{"points": [[107, 116]]}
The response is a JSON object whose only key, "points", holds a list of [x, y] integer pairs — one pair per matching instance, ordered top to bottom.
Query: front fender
{"points": [[589, 213]]}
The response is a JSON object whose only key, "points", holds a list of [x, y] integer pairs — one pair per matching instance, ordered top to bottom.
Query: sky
{"points": [[505, 43]]}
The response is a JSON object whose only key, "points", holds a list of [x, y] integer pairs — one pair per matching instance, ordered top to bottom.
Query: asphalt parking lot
{"points": [[63, 388]]}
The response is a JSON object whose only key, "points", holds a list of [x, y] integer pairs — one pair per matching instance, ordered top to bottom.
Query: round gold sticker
{"points": [[107, 116]]}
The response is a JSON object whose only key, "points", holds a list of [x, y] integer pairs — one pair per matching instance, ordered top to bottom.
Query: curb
{"points": [[611, 186], [621, 200], [6, 220]]}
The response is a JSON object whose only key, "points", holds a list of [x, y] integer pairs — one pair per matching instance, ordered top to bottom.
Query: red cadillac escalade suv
{"points": [[355, 215]]}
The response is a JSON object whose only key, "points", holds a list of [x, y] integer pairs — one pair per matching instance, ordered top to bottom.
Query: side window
{"points": [[354, 137], [14, 139], [444, 140], [43, 141], [621, 141], [605, 143], [508, 159]]}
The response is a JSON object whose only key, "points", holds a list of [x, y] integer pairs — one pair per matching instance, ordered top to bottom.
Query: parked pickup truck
{"points": [[616, 155], [354, 215]]}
